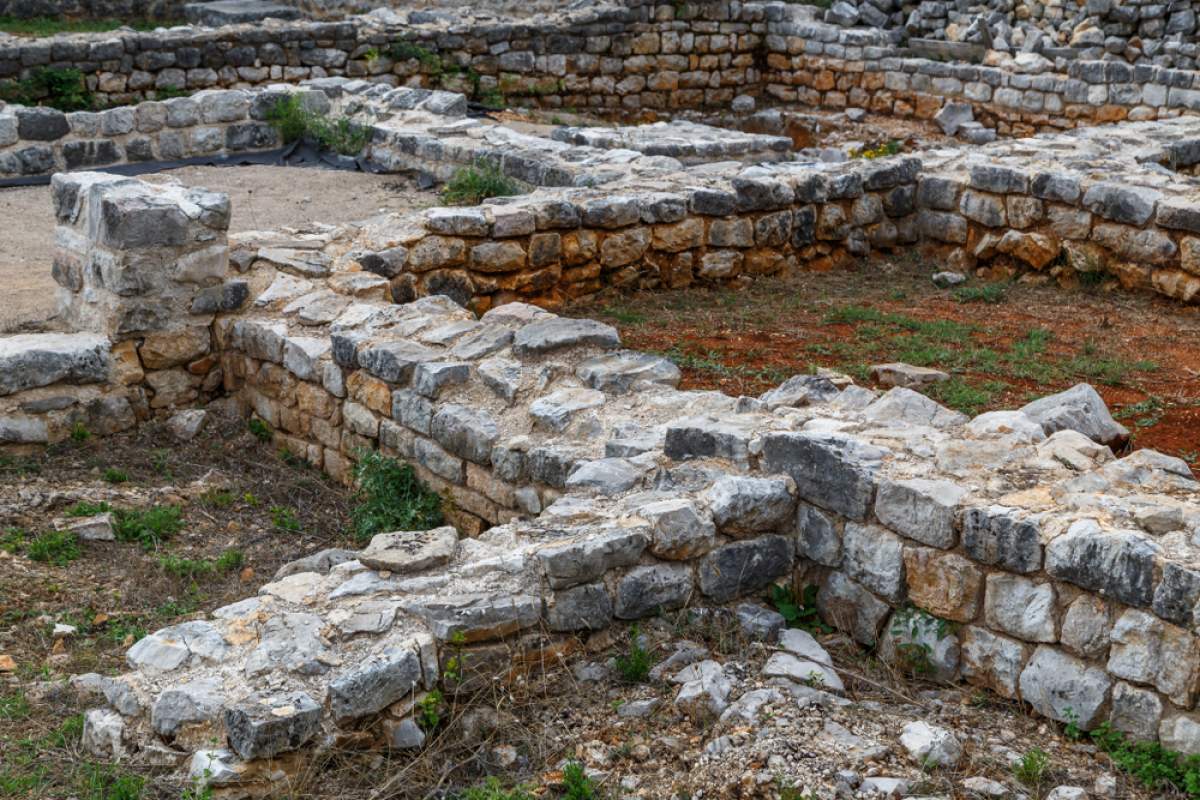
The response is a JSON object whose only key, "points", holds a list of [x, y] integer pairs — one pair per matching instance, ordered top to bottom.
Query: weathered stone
{"points": [[553, 334], [40, 359], [618, 373], [901, 374], [800, 390], [1081, 409], [556, 410], [465, 432], [831, 470], [605, 476], [744, 506], [920, 509], [681, 531], [1001, 536], [818, 540], [410, 551], [874, 557], [587, 559], [1117, 564], [742, 567], [945, 584], [652, 589], [846, 605], [586, 607], [1021, 608], [1147, 650], [992, 661], [375, 683], [1064, 688], [189, 703], [1135, 711], [262, 726], [930, 745]]}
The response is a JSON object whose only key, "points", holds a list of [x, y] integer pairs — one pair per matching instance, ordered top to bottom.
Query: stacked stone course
{"points": [[595, 491]]}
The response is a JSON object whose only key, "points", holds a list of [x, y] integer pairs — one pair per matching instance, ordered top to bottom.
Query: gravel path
{"points": [[263, 198]]}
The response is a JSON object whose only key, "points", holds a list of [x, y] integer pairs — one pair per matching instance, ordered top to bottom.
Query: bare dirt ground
{"points": [[264, 198], [1004, 343]]}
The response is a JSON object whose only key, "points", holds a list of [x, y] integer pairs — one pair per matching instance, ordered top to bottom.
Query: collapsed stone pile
{"points": [[592, 490]]}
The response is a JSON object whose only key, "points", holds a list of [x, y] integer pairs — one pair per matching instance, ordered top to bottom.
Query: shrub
{"points": [[63, 89], [339, 134], [471, 185], [260, 429], [113, 475], [390, 497], [285, 519], [149, 527], [53, 547], [634, 666], [1151, 764], [1031, 767], [577, 785]]}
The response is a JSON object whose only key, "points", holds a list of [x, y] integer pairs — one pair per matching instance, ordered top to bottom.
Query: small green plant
{"points": [[407, 51], [64, 89], [293, 121], [880, 150], [471, 185], [990, 293], [261, 430], [80, 433], [161, 462], [113, 475], [390, 497], [217, 498], [250, 499], [85, 509], [285, 519], [149, 527], [13, 541], [53, 547], [192, 568], [798, 612], [909, 629], [634, 665], [14, 706], [429, 710], [1071, 729], [1151, 764], [1030, 769], [105, 783], [577, 785], [493, 789]]}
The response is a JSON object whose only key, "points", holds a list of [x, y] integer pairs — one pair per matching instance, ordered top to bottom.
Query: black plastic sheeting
{"points": [[297, 154]]}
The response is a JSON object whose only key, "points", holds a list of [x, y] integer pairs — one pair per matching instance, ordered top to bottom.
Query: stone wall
{"points": [[41, 141], [595, 491]]}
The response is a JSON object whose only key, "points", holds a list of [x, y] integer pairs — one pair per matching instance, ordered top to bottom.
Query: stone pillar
{"points": [[145, 265]]}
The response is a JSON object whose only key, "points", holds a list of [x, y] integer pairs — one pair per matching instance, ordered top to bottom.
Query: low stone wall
{"points": [[633, 59], [41, 141], [1012, 550]]}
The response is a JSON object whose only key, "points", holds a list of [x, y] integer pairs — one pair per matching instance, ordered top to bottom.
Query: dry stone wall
{"points": [[632, 59], [590, 490]]}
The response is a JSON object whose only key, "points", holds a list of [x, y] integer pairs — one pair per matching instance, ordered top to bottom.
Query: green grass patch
{"points": [[52, 26], [471, 185], [990, 293], [968, 398], [261, 430], [113, 475], [390, 497], [87, 509], [285, 519], [149, 527], [53, 547], [193, 568], [14, 706], [1149, 763], [493, 789]]}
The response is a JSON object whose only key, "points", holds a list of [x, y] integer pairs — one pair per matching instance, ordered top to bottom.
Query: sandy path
{"points": [[263, 198]]}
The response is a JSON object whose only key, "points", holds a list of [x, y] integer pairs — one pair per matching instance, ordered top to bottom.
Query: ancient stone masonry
{"points": [[632, 59], [588, 490]]}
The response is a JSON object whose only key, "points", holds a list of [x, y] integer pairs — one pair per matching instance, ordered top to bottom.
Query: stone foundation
{"points": [[587, 489]]}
